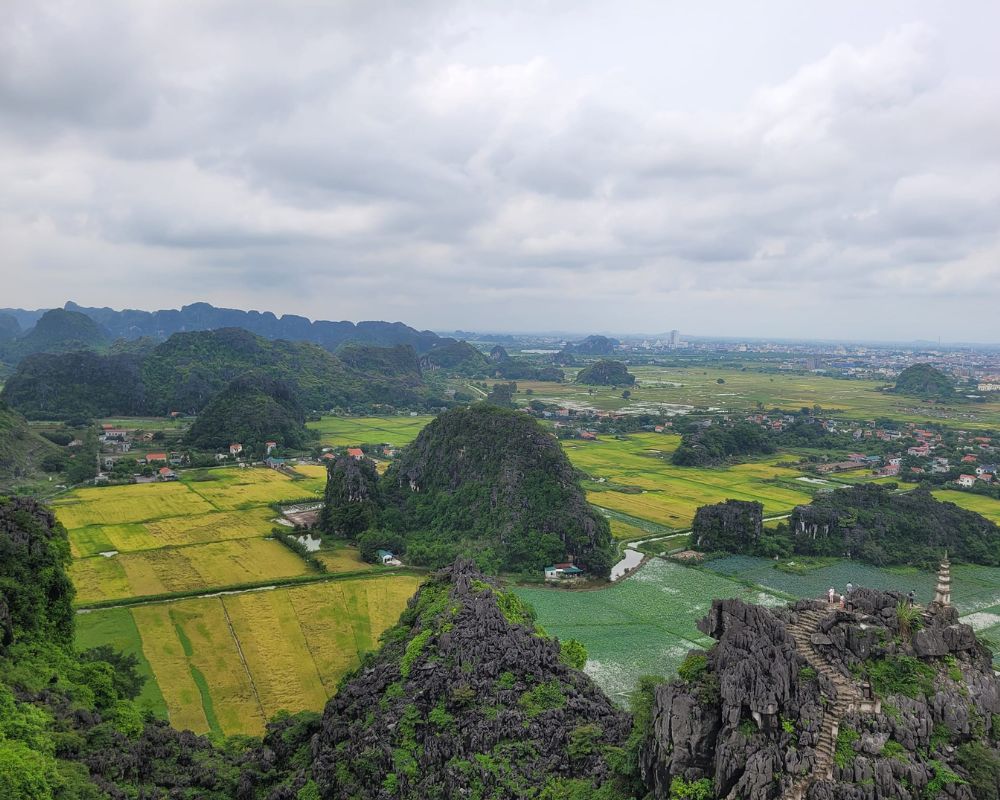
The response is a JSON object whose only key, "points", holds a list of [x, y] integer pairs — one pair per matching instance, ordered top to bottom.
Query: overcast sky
{"points": [[764, 169]]}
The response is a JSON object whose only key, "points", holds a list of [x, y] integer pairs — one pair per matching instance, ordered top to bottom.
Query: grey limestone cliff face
{"points": [[907, 700], [746, 718]]}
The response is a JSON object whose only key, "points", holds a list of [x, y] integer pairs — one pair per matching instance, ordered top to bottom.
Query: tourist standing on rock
{"points": [[850, 588], [831, 593], [911, 598]]}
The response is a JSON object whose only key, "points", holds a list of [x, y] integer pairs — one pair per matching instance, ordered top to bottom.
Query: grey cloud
{"points": [[370, 155]]}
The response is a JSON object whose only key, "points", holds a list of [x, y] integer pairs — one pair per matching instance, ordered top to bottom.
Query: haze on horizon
{"points": [[782, 170]]}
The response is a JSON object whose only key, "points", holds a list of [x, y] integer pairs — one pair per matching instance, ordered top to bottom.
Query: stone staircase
{"points": [[849, 697]]}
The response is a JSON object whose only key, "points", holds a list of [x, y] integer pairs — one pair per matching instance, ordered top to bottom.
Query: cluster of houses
{"points": [[116, 443]]}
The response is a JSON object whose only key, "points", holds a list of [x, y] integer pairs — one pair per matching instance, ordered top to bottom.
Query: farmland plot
{"points": [[354, 431], [660, 492], [987, 506], [183, 569], [643, 625], [228, 663]]}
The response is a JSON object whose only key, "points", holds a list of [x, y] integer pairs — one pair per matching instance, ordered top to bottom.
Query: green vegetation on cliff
{"points": [[606, 373], [718, 444], [23, 453], [868, 522], [876, 524], [467, 699]]}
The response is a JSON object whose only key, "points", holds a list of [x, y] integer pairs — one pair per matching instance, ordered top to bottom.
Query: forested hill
{"points": [[133, 324], [57, 331], [189, 369], [606, 373], [924, 380], [253, 409], [489, 483], [879, 525]]}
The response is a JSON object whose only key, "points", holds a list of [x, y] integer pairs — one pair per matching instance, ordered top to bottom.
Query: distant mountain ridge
{"points": [[134, 324], [185, 372]]}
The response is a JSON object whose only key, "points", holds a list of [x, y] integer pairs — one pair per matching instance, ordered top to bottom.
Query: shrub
{"points": [[573, 654], [693, 668], [900, 675], [544, 697], [844, 752], [983, 766], [681, 789]]}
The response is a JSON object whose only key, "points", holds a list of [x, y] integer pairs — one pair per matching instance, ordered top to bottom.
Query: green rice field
{"points": [[686, 388], [354, 431], [633, 476], [987, 506], [644, 625]]}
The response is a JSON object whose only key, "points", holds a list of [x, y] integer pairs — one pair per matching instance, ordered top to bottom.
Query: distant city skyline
{"points": [[774, 170]]}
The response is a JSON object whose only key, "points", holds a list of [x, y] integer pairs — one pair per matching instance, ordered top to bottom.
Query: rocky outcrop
{"points": [[351, 499], [464, 699], [877, 701], [746, 717]]}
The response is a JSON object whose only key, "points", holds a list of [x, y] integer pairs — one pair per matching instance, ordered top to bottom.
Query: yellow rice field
{"points": [[182, 569], [228, 663]]}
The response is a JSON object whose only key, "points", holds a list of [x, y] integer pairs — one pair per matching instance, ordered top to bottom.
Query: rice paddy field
{"points": [[685, 388], [354, 431], [657, 491], [987, 506], [204, 531], [170, 570], [644, 625], [227, 663]]}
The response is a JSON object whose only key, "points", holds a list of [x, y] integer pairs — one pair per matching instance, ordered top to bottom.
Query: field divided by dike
{"points": [[204, 531], [228, 663]]}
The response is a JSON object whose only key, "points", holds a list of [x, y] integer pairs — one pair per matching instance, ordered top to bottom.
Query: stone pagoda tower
{"points": [[942, 593]]}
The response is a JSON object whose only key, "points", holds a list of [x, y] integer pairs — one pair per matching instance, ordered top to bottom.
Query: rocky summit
{"points": [[466, 699], [876, 700]]}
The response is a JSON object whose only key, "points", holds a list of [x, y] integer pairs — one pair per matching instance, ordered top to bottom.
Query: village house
{"points": [[589, 435], [268, 447], [235, 449], [356, 453], [152, 458], [969, 459], [274, 463], [166, 474], [966, 481], [387, 558], [558, 572]]}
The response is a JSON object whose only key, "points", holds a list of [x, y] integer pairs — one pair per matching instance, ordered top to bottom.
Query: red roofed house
{"points": [[269, 446], [235, 449], [356, 452], [328, 456], [151, 457], [969, 459], [167, 474], [966, 480]]}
